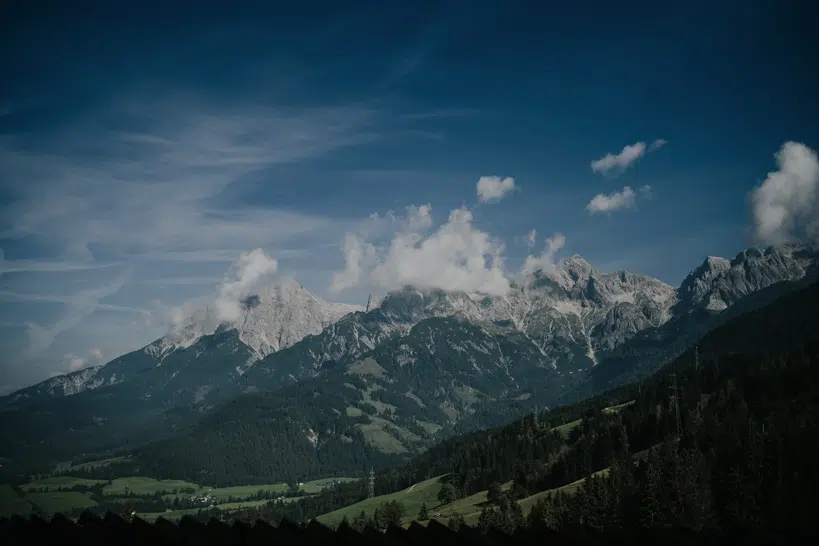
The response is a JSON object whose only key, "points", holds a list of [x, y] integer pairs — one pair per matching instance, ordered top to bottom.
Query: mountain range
{"points": [[346, 387]]}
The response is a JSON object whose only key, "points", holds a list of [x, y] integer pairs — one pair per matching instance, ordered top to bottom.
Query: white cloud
{"points": [[629, 154], [151, 188], [494, 188], [144, 194], [614, 201], [785, 206], [419, 218], [455, 256], [547, 259], [249, 269], [249, 272], [75, 363]]}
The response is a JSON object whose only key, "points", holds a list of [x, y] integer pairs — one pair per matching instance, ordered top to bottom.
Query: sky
{"points": [[159, 155]]}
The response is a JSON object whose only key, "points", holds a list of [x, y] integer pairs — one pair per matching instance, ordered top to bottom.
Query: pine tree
{"points": [[494, 492], [447, 494], [423, 514], [455, 521]]}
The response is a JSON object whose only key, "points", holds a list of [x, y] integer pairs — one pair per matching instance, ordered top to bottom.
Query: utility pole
{"points": [[676, 393], [371, 490]]}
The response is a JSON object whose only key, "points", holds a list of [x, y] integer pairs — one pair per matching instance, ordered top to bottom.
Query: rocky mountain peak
{"points": [[577, 268], [718, 283]]}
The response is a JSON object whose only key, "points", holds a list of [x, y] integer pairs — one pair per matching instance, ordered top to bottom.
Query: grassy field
{"points": [[615, 409], [566, 428], [62, 467], [60, 482], [138, 485], [314, 486], [118, 490], [427, 492], [222, 494], [412, 498], [61, 501], [11, 503], [469, 507], [177, 514]]}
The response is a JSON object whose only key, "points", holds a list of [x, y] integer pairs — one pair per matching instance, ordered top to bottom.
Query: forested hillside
{"points": [[741, 452]]}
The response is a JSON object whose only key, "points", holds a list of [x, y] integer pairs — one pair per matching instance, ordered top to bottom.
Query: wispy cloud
{"points": [[613, 163], [144, 183], [156, 191], [49, 266], [9, 295], [78, 307]]}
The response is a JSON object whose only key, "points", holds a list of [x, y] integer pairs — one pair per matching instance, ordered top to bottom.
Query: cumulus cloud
{"points": [[611, 162], [493, 188], [622, 199], [785, 206], [531, 238], [455, 256], [546, 261], [247, 271]]}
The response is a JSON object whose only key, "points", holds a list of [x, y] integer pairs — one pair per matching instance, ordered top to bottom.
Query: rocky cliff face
{"points": [[719, 283]]}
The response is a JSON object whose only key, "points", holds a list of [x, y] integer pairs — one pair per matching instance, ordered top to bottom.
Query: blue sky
{"points": [[145, 148]]}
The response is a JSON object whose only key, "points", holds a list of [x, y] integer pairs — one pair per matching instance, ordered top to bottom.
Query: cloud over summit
{"points": [[785, 207]]}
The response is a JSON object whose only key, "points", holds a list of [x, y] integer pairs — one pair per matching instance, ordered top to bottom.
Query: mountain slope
{"points": [[716, 292], [571, 326], [174, 367], [393, 402]]}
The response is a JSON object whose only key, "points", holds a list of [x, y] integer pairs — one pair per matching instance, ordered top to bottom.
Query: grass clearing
{"points": [[368, 366], [618, 407], [566, 428], [68, 467], [61, 482], [141, 486], [315, 486], [243, 491], [412, 498], [61, 501], [12, 503], [178, 514]]}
